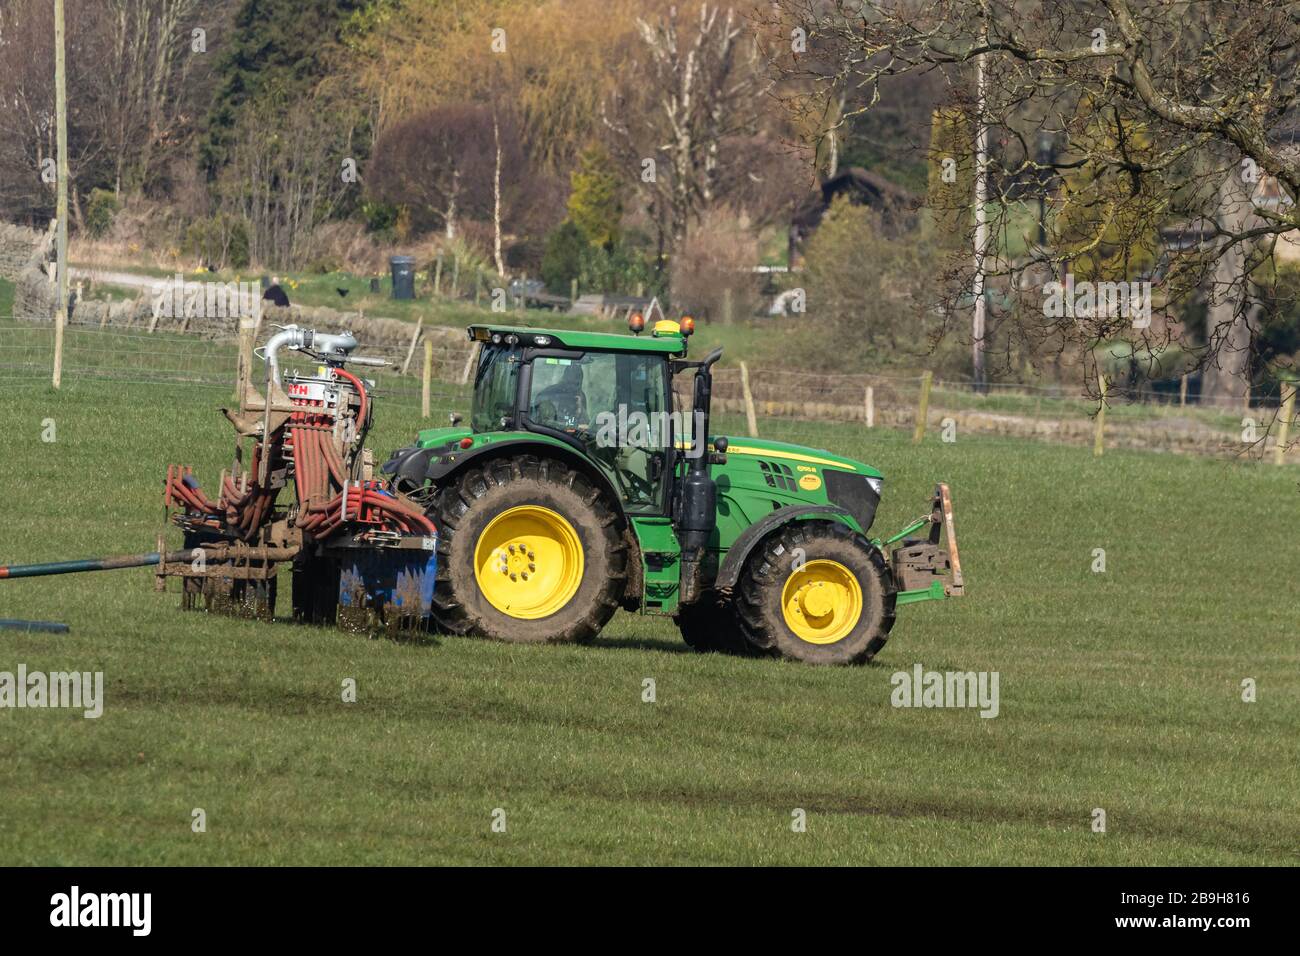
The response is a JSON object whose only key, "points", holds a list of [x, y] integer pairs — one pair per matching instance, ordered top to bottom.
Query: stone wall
{"points": [[18, 246], [23, 260]]}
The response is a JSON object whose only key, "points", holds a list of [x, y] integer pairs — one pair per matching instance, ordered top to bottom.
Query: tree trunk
{"points": [[496, 199], [1226, 378]]}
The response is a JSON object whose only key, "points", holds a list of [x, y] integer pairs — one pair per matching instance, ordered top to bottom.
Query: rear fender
{"points": [[421, 465]]}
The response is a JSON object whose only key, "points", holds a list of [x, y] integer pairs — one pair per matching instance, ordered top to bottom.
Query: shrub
{"points": [[101, 210], [380, 218], [220, 241], [562, 258], [464, 260], [618, 270], [873, 296]]}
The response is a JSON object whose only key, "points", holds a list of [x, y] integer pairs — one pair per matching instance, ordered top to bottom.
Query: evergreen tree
{"points": [[278, 48], [951, 187], [596, 199], [1109, 216]]}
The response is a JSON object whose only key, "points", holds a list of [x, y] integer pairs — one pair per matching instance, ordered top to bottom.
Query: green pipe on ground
{"points": [[92, 564], [9, 624]]}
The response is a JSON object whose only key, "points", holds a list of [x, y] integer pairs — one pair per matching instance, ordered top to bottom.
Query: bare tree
{"points": [[148, 58], [695, 85], [1161, 122], [27, 134], [439, 164], [285, 175]]}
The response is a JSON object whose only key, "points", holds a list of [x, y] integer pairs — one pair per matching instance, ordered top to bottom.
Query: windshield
{"points": [[495, 388], [615, 405]]}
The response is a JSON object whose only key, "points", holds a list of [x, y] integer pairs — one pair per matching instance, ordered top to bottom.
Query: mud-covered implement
{"points": [[362, 554]]}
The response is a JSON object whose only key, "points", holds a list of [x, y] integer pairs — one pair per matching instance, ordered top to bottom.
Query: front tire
{"points": [[529, 552], [817, 592]]}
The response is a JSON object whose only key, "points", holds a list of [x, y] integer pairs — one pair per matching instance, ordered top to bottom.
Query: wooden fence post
{"points": [[61, 201], [437, 276], [414, 338], [470, 361], [244, 370], [426, 375], [1182, 392], [869, 407], [923, 409], [1288, 412], [750, 418], [1099, 442]]}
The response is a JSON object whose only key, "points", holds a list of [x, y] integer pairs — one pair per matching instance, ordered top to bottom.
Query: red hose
{"points": [[361, 390], [318, 467]]}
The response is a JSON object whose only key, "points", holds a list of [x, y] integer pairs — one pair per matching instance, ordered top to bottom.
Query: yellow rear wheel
{"points": [[528, 562], [821, 601]]}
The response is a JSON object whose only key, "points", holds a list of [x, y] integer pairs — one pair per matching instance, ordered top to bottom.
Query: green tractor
{"points": [[577, 489]]}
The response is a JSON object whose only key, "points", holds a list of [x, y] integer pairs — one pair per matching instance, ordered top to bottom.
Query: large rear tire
{"points": [[529, 551], [817, 592], [710, 625]]}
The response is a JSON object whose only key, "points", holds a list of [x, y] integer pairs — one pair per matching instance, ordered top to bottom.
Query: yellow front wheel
{"points": [[528, 562], [817, 592], [821, 601]]}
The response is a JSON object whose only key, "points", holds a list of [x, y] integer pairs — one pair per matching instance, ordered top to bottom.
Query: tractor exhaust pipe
{"points": [[697, 514]]}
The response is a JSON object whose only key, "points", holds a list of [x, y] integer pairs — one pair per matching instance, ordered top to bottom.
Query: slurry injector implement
{"points": [[361, 552]]}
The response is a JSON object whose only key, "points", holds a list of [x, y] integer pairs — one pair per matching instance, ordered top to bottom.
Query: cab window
{"points": [[616, 405]]}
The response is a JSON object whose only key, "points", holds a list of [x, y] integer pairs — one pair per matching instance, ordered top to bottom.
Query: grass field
{"points": [[1119, 690]]}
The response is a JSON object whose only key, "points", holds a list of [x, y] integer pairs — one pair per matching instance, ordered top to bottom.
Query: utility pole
{"points": [[61, 116], [981, 226]]}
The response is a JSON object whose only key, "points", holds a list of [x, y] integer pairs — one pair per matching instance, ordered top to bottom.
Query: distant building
{"points": [[897, 206]]}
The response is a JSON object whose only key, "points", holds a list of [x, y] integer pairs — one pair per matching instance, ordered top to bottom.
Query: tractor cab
{"points": [[608, 397]]}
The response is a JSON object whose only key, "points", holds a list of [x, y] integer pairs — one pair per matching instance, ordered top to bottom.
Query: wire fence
{"points": [[141, 358], [770, 401]]}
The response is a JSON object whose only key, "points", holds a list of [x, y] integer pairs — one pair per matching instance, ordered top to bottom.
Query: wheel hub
{"points": [[528, 562], [822, 601]]}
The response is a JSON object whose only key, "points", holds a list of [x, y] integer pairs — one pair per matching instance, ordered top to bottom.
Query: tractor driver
{"points": [[563, 404]]}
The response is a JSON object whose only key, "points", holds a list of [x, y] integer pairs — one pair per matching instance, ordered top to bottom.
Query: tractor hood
{"points": [[784, 451], [761, 476]]}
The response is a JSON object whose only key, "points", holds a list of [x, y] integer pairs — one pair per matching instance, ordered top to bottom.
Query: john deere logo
{"points": [[810, 482]]}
